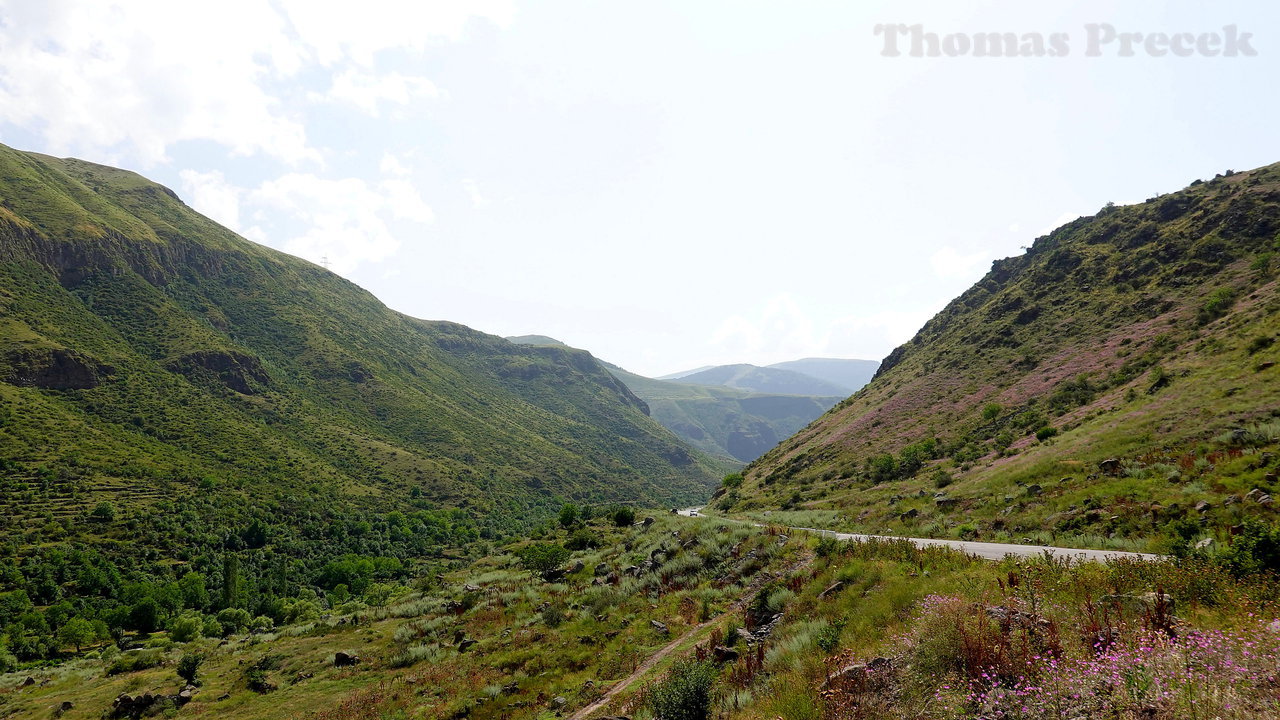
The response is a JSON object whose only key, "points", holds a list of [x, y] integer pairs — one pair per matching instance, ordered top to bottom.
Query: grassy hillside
{"points": [[1143, 335], [172, 393], [725, 421], [734, 426], [698, 618]]}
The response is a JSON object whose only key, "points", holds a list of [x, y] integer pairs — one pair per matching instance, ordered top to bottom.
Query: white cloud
{"points": [[337, 31], [107, 78], [126, 81], [366, 91], [391, 165], [473, 191], [212, 195], [405, 202], [1061, 220], [344, 221], [948, 263], [783, 330]]}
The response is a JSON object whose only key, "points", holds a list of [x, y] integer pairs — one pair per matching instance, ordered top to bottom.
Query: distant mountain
{"points": [[155, 362], [848, 374], [765, 380], [730, 423]]}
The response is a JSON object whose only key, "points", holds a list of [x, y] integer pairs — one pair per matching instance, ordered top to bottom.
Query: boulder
{"points": [[1110, 466], [1034, 490], [1203, 506], [909, 514], [647, 522], [575, 568], [601, 570], [470, 588], [832, 589], [661, 628], [466, 645], [724, 655], [344, 659]]}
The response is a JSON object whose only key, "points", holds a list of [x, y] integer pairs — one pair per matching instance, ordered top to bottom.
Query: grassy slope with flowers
{"points": [[1144, 334]]}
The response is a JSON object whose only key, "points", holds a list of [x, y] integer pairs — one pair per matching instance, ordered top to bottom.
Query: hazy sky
{"points": [[666, 184]]}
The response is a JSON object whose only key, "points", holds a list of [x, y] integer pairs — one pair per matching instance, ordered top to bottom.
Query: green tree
{"points": [[568, 515], [542, 558], [232, 582], [192, 588], [144, 616], [186, 628], [76, 631]]}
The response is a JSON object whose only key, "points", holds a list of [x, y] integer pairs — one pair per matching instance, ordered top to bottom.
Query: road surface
{"points": [[986, 550]]}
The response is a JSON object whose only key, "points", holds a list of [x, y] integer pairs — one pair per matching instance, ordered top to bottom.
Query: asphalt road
{"points": [[989, 551]]}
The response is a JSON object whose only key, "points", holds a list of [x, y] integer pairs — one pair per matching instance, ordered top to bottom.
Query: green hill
{"points": [[1116, 380], [169, 386], [725, 421], [734, 425]]}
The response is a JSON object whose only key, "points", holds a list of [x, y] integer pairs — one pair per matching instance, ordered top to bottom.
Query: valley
{"points": [[236, 485]]}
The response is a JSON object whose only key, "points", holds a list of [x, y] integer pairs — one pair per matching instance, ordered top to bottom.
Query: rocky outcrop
{"points": [[53, 369], [235, 370]]}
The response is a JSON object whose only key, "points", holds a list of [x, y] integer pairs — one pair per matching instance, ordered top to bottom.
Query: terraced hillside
{"points": [[1113, 382]]}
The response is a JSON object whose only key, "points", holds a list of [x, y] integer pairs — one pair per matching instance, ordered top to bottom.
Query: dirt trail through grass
{"points": [[684, 640]]}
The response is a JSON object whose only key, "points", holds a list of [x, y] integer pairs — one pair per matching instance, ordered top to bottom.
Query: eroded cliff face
{"points": [[52, 369]]}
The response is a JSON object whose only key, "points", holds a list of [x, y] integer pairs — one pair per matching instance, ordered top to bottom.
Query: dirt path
{"points": [[666, 650]]}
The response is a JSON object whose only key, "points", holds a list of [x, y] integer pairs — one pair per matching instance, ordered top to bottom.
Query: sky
{"points": [[666, 184]]}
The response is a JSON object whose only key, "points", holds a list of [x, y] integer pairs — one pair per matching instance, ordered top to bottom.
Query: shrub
{"points": [[1216, 305], [1260, 343], [991, 411], [1046, 432], [941, 478], [732, 480], [623, 516], [582, 539], [1256, 548], [542, 558], [233, 620], [186, 628], [829, 636], [135, 661], [189, 667], [685, 693]]}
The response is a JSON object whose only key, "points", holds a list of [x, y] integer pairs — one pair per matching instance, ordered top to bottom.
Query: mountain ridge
{"points": [[1138, 335], [149, 352]]}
